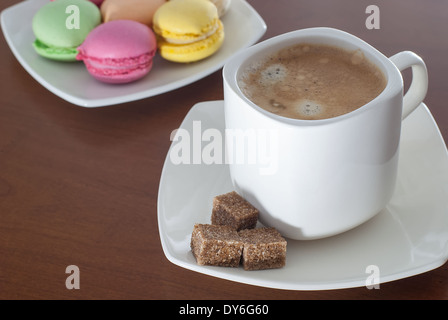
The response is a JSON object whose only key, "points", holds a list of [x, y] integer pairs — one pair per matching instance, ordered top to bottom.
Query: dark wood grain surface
{"points": [[79, 186]]}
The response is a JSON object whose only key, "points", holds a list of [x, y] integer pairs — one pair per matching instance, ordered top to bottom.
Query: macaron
{"points": [[97, 2], [137, 10], [61, 26], [188, 30], [119, 51]]}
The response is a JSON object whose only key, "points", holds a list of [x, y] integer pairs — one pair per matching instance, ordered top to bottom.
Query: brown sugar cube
{"points": [[233, 210], [216, 245], [264, 248]]}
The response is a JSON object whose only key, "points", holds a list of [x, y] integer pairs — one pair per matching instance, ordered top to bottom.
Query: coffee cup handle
{"points": [[419, 85]]}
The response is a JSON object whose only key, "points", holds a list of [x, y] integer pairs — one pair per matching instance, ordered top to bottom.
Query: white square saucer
{"points": [[408, 237]]}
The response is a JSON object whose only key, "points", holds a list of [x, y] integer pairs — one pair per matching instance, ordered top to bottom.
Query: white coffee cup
{"points": [[331, 175]]}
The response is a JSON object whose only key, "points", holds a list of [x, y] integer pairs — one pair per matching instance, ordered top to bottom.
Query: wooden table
{"points": [[79, 186]]}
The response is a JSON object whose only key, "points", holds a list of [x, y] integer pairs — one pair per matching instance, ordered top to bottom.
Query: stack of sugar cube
{"points": [[232, 237]]}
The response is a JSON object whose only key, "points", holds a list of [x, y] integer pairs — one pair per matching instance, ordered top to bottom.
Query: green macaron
{"points": [[61, 26]]}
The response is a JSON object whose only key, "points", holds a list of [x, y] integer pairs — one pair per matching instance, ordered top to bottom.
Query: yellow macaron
{"points": [[188, 30]]}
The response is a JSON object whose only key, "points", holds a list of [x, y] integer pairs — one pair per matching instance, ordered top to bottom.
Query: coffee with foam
{"points": [[312, 81]]}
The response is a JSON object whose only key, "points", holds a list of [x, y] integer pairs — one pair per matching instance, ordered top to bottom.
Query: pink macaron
{"points": [[97, 2], [118, 51]]}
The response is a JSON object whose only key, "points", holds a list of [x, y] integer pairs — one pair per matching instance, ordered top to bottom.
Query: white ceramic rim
{"points": [[325, 35]]}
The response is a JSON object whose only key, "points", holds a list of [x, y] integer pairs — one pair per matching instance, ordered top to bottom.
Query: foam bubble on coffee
{"points": [[273, 74], [309, 81], [308, 108]]}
